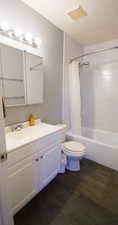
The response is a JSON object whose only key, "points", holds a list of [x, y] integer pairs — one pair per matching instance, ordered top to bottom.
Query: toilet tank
{"points": [[64, 127]]}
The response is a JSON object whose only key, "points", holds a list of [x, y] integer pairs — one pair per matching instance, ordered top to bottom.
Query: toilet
{"points": [[74, 151]]}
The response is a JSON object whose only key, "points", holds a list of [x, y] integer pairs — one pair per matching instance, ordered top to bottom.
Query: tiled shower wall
{"points": [[99, 89]]}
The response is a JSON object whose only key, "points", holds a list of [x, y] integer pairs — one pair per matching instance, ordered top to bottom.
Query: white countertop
{"points": [[29, 134]]}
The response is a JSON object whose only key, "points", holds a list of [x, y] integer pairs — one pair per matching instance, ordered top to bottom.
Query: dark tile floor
{"points": [[89, 197]]}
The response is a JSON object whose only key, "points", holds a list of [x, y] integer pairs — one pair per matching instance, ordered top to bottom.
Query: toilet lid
{"points": [[72, 146]]}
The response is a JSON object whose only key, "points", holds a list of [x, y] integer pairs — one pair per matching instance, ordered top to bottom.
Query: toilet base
{"points": [[73, 164]]}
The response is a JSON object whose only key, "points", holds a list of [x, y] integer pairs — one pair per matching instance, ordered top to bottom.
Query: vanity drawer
{"points": [[50, 140], [19, 154], [19, 165]]}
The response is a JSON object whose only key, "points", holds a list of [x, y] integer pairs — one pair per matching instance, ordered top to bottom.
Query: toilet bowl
{"points": [[74, 151]]}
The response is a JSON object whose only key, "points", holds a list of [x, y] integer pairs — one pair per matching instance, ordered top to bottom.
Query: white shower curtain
{"points": [[74, 98]]}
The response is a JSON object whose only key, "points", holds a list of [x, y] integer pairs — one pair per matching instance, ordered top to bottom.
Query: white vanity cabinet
{"points": [[49, 164], [47, 167], [31, 168], [21, 169], [21, 183]]}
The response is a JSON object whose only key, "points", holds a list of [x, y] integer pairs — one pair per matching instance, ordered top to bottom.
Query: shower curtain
{"points": [[74, 98]]}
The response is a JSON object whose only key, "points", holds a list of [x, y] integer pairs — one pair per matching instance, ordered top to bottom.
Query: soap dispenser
{"points": [[32, 120]]}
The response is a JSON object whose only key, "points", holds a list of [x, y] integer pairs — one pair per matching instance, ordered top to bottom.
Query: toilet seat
{"points": [[73, 148], [74, 151]]}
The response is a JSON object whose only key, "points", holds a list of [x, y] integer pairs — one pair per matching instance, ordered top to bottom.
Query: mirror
{"points": [[21, 75]]}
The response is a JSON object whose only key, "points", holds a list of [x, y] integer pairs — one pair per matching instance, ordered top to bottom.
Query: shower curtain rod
{"points": [[93, 52]]}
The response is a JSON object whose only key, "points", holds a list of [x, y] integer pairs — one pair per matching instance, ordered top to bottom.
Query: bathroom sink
{"points": [[16, 135], [15, 139]]}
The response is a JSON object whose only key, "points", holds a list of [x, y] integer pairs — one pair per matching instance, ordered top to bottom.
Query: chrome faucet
{"points": [[17, 127]]}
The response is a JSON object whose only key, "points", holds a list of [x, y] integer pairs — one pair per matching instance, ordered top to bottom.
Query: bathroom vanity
{"points": [[33, 161]]}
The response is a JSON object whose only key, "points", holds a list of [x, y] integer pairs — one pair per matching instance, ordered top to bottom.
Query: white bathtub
{"points": [[101, 146]]}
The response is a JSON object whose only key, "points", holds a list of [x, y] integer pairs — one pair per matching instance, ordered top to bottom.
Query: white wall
{"points": [[20, 15], [71, 49], [99, 88]]}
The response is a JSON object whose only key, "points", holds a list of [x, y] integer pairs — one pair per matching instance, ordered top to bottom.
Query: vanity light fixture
{"points": [[4, 26], [11, 33], [16, 34], [28, 38], [37, 41]]}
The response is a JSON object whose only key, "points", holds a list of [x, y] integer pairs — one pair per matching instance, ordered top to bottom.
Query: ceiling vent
{"points": [[77, 13]]}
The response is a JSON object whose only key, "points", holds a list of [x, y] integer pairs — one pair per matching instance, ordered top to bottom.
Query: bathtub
{"points": [[101, 146]]}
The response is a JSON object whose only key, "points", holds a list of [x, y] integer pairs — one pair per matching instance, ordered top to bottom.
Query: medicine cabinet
{"points": [[21, 76]]}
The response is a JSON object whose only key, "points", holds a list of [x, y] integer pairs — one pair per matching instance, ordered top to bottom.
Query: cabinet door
{"points": [[12, 62], [12, 74], [34, 78], [49, 164], [21, 183]]}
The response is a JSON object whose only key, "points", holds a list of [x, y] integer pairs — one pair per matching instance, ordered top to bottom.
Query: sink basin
{"points": [[28, 134]]}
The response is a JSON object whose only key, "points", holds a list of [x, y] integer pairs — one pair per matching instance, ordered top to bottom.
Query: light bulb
{"points": [[5, 26], [17, 32], [10, 33], [28, 37], [21, 38], [37, 41]]}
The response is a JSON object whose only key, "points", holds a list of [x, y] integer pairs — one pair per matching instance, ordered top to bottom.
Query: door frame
{"points": [[6, 217]]}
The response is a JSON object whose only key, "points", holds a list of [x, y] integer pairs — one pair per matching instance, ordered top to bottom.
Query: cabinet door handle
{"points": [[41, 157], [37, 159]]}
